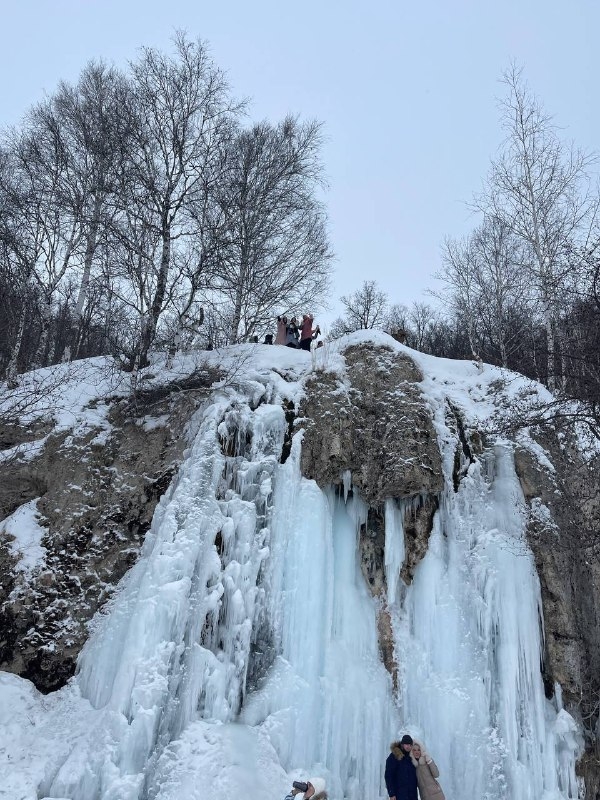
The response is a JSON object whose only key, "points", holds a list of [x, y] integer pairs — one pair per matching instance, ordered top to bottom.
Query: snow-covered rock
{"points": [[347, 549]]}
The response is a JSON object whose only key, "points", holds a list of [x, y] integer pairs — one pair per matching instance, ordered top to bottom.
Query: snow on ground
{"points": [[76, 396], [25, 536], [37, 733]]}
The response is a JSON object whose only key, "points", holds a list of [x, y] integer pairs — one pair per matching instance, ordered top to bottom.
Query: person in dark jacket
{"points": [[291, 333], [400, 772]]}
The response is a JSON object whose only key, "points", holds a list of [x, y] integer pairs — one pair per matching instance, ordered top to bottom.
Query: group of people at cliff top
{"points": [[294, 334], [408, 768]]}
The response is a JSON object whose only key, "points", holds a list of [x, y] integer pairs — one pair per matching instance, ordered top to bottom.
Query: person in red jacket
{"points": [[307, 333]]}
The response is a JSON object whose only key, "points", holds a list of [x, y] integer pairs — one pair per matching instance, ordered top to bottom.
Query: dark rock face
{"points": [[380, 430], [97, 499], [418, 522]]}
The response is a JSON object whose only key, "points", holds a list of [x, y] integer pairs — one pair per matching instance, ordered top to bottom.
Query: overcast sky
{"points": [[407, 91]]}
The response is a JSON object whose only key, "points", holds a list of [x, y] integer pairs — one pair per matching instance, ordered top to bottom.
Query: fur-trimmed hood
{"points": [[397, 750], [425, 757]]}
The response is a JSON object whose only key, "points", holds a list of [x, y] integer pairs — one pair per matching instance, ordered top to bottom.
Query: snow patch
{"points": [[25, 536]]}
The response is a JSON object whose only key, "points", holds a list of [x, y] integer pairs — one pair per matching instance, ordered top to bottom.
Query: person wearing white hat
{"points": [[427, 774], [315, 790]]}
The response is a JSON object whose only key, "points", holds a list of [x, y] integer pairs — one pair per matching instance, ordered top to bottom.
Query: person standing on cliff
{"points": [[281, 326], [291, 333], [307, 333], [400, 772]]}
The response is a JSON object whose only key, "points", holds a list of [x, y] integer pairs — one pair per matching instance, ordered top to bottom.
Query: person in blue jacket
{"points": [[400, 772]]}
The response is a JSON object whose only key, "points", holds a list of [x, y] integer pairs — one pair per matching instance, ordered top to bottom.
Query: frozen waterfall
{"points": [[242, 649]]}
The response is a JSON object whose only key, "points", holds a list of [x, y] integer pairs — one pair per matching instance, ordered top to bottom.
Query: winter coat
{"points": [[281, 326], [306, 330], [291, 334], [427, 772], [400, 774]]}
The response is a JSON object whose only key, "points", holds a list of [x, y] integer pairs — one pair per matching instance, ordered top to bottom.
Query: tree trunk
{"points": [[158, 299], [237, 308], [550, 344], [72, 349], [41, 356], [11, 369]]}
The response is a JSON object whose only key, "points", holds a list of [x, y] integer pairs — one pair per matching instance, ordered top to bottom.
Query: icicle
{"points": [[347, 482], [394, 546], [327, 619], [471, 644]]}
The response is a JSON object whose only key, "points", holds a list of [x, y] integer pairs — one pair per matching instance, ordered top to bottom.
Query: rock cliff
{"points": [[367, 429], [95, 494]]}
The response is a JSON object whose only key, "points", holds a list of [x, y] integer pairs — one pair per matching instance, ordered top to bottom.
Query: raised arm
{"points": [[433, 767]]}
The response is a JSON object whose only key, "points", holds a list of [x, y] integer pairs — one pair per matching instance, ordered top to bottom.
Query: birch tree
{"points": [[184, 114], [89, 125], [540, 189], [274, 251]]}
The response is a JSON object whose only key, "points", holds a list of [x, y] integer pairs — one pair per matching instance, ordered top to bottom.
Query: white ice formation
{"points": [[242, 651]]}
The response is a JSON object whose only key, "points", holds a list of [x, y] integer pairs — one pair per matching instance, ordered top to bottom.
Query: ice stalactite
{"points": [[394, 546], [327, 704]]}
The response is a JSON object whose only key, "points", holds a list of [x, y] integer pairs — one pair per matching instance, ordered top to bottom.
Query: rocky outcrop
{"points": [[377, 428], [97, 494], [563, 529]]}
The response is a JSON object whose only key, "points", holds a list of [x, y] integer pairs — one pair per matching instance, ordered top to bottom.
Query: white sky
{"points": [[407, 92]]}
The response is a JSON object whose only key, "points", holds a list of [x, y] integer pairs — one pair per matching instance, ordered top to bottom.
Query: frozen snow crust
{"points": [[241, 651]]}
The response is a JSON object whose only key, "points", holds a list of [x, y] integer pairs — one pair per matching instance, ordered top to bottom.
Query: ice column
{"points": [[471, 639], [175, 643], [327, 704]]}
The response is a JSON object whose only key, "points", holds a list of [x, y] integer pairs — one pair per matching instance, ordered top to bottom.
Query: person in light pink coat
{"points": [[281, 326]]}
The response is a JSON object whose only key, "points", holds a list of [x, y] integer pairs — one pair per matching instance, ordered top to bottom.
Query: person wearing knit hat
{"points": [[400, 772]]}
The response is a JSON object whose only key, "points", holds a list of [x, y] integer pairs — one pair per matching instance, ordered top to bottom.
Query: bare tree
{"points": [[183, 113], [89, 126], [540, 189], [50, 234], [274, 249], [460, 275], [486, 286], [504, 295], [365, 308], [397, 317], [422, 318]]}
